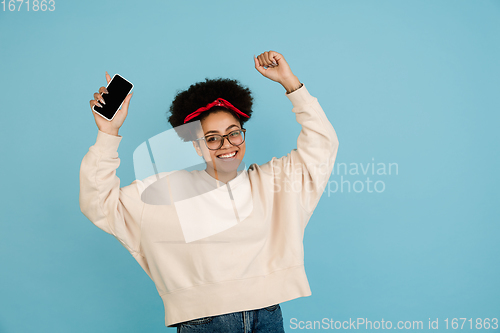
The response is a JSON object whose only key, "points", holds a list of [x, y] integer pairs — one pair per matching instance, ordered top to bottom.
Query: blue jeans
{"points": [[265, 320]]}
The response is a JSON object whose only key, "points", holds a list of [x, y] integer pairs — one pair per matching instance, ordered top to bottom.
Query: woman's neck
{"points": [[221, 175]]}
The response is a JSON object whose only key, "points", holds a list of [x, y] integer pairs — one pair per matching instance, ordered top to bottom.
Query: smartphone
{"points": [[118, 89]]}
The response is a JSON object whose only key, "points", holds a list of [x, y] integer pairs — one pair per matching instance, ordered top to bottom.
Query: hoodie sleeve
{"points": [[309, 166], [117, 211]]}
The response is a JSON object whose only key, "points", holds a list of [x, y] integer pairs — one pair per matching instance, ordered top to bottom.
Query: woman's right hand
{"points": [[104, 125]]}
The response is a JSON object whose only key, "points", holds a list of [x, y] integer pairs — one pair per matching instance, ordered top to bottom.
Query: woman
{"points": [[229, 277]]}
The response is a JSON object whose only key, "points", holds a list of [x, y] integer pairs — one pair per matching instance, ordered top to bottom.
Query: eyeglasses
{"points": [[216, 141]]}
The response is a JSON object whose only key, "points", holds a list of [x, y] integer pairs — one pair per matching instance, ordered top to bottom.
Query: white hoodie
{"points": [[253, 263]]}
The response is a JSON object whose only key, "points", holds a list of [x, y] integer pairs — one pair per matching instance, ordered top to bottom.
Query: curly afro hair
{"points": [[202, 93]]}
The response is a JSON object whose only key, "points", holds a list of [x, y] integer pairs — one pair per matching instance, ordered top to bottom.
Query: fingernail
{"points": [[106, 91]]}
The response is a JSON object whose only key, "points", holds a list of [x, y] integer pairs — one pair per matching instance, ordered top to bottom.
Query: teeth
{"points": [[227, 155]]}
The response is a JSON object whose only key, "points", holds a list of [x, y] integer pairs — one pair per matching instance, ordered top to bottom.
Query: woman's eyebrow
{"points": [[218, 131]]}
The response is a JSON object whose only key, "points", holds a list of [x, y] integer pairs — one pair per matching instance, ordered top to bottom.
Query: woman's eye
{"points": [[235, 133], [211, 139]]}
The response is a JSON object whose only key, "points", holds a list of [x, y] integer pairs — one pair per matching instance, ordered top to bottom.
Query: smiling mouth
{"points": [[228, 156]]}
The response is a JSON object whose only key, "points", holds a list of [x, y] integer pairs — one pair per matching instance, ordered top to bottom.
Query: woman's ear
{"points": [[197, 147]]}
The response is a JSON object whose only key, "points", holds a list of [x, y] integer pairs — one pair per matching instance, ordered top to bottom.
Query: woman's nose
{"points": [[226, 143]]}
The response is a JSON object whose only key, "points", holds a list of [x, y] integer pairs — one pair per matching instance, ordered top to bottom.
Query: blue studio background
{"points": [[411, 87]]}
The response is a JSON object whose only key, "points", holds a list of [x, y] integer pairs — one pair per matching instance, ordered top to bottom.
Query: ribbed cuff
{"points": [[300, 96], [107, 142]]}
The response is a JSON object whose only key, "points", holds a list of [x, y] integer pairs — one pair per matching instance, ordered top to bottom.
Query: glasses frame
{"points": [[224, 137]]}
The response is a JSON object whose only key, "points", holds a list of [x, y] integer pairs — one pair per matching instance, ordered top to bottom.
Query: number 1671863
{"points": [[35, 5]]}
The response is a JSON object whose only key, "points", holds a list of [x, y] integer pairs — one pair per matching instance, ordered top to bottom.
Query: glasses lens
{"points": [[236, 137], [214, 141]]}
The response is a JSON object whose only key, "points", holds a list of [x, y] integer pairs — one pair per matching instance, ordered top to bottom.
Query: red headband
{"points": [[217, 102]]}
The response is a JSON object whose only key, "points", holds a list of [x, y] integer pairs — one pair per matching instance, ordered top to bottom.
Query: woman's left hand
{"points": [[277, 69]]}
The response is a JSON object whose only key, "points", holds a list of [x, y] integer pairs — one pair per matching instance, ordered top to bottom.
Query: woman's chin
{"points": [[226, 166]]}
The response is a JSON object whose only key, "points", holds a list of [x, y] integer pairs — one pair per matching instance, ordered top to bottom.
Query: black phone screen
{"points": [[118, 89]]}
